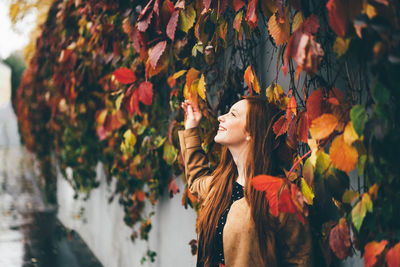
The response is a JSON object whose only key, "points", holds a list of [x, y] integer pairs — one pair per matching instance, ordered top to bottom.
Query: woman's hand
{"points": [[192, 113]]}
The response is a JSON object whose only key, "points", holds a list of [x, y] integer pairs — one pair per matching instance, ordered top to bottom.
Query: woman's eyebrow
{"points": [[234, 110]]}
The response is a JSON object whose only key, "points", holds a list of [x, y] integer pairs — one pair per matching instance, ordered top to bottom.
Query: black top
{"points": [[237, 193]]}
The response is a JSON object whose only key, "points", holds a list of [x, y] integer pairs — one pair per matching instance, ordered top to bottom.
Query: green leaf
{"points": [[187, 18], [380, 93], [358, 117], [128, 145], [170, 153], [322, 163], [361, 164], [307, 191], [349, 196], [360, 210]]}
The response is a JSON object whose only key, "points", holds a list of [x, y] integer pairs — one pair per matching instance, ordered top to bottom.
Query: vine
{"points": [[107, 78]]}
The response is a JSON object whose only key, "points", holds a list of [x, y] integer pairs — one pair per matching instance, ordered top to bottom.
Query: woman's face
{"points": [[232, 126]]}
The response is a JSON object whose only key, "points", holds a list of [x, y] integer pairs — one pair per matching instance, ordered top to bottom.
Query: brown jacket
{"points": [[292, 238]]}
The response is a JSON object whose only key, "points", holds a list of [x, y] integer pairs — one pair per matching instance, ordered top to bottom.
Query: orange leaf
{"points": [[238, 21], [279, 31], [191, 75], [251, 79], [314, 104], [291, 107], [280, 126], [323, 126], [302, 128], [343, 156], [271, 185], [339, 239], [373, 249], [393, 256]]}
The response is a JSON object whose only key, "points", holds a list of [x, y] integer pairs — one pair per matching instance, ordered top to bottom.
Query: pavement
{"points": [[30, 234]]}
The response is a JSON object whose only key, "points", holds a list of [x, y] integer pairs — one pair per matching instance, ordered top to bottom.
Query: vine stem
{"points": [[298, 162]]}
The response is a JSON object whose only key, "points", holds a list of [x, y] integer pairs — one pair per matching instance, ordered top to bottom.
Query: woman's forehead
{"points": [[240, 106]]}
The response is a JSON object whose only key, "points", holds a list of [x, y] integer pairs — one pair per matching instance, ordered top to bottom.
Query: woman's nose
{"points": [[220, 118]]}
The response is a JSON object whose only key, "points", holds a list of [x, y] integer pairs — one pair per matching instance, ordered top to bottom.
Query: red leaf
{"points": [[238, 4], [279, 5], [156, 7], [251, 16], [338, 16], [238, 21], [172, 23], [302, 34], [156, 53], [124, 75], [146, 92], [132, 104], [314, 104], [291, 108], [280, 126], [302, 130], [291, 139], [271, 185], [173, 188], [140, 195], [286, 203], [339, 239], [371, 250], [393, 256]]}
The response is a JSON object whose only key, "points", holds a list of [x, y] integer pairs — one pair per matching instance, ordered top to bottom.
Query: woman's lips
{"points": [[220, 128]]}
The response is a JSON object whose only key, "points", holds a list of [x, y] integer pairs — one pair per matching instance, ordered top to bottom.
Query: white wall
{"points": [[104, 231]]}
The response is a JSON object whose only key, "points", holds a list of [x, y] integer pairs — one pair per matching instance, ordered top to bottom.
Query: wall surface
{"points": [[102, 227]]}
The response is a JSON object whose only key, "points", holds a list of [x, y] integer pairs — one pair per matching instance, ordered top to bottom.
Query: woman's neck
{"points": [[239, 155]]}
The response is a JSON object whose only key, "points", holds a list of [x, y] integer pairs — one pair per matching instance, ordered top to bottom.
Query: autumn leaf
{"points": [[206, 4], [238, 4], [251, 15], [337, 16], [187, 17], [238, 21], [297, 21], [172, 24], [142, 25], [223, 29], [280, 32], [341, 45], [156, 53], [124, 75], [191, 75], [172, 79], [251, 79], [201, 88], [146, 92], [276, 95], [132, 103], [314, 104], [291, 107], [280, 126], [323, 126], [302, 128], [350, 134], [170, 153], [343, 156], [308, 172], [271, 185], [173, 188], [307, 191], [373, 191], [349, 196], [285, 201], [360, 210], [339, 239], [371, 250], [393, 256]]}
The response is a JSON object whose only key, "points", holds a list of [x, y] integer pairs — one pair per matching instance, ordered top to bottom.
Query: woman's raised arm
{"points": [[197, 171]]}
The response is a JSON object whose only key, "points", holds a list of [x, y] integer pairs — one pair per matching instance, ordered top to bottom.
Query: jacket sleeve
{"points": [[197, 171], [294, 242]]}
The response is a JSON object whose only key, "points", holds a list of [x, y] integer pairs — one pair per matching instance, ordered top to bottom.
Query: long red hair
{"points": [[262, 158]]}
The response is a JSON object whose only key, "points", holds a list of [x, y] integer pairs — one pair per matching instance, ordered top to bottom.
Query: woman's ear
{"points": [[248, 138]]}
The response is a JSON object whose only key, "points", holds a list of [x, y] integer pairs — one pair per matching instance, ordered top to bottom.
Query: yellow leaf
{"points": [[370, 11], [187, 17], [297, 21], [280, 32], [341, 45], [172, 79], [201, 88], [275, 94], [323, 126], [350, 134], [312, 143], [343, 156], [307, 191]]}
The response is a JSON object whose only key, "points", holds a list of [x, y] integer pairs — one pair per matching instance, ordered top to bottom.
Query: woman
{"points": [[234, 225]]}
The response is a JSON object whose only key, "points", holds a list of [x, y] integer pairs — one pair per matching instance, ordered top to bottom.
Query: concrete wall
{"points": [[102, 227]]}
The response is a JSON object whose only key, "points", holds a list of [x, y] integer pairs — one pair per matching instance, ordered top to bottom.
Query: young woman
{"points": [[234, 225]]}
